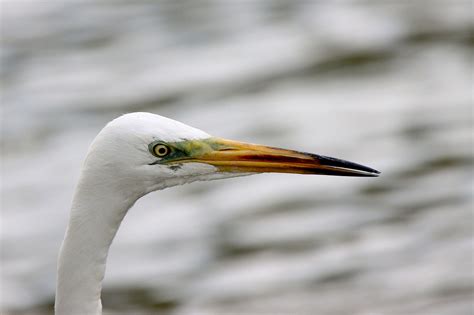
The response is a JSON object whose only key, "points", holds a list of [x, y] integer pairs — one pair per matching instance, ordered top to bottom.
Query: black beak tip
{"points": [[358, 169], [373, 173]]}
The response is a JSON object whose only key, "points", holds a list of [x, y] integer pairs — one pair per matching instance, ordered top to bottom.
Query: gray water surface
{"points": [[386, 84]]}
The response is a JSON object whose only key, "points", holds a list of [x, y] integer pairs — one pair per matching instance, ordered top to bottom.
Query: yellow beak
{"points": [[233, 156]]}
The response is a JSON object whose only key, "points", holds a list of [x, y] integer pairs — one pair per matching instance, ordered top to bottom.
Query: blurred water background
{"points": [[384, 83]]}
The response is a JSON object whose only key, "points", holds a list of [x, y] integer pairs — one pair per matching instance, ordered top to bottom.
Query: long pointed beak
{"points": [[233, 156]]}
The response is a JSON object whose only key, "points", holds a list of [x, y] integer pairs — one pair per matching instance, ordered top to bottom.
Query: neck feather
{"points": [[96, 214]]}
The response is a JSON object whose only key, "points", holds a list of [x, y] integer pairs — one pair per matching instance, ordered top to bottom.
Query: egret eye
{"points": [[161, 150]]}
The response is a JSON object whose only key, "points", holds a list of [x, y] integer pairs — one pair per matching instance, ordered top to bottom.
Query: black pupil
{"points": [[162, 150]]}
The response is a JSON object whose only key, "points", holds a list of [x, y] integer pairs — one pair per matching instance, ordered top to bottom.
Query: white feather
{"points": [[115, 174]]}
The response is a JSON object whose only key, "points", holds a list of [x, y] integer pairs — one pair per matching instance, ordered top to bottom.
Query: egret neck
{"points": [[98, 208]]}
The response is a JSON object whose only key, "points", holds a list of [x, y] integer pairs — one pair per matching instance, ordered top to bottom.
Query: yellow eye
{"points": [[161, 150]]}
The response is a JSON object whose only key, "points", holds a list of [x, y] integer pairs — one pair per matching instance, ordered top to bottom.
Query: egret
{"points": [[138, 153]]}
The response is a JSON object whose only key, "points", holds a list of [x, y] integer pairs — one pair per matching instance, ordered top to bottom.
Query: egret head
{"points": [[159, 152], [139, 153]]}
